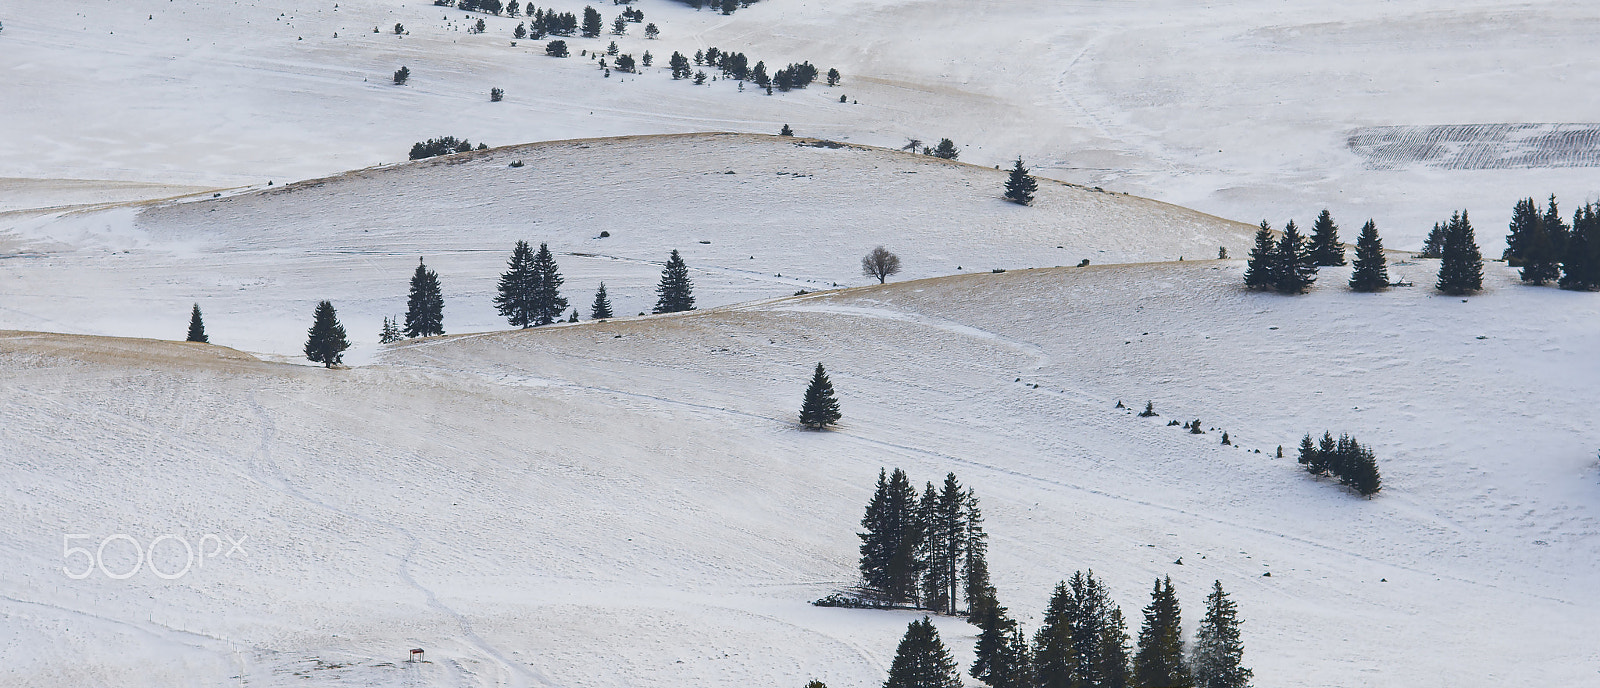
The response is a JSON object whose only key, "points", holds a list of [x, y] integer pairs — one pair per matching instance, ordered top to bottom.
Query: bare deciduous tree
{"points": [[880, 263]]}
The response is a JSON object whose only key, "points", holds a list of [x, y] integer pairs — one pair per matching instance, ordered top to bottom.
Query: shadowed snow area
{"points": [[754, 216], [630, 503]]}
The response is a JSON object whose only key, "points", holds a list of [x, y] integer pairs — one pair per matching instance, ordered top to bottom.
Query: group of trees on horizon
{"points": [[1547, 249]]}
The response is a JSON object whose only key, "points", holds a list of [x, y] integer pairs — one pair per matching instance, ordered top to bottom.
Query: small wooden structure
{"points": [[416, 655]]}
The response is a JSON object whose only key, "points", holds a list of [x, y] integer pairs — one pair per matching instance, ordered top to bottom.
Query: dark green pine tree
{"points": [[591, 22], [786, 131], [1020, 186], [1525, 217], [1556, 228], [1325, 247], [1433, 247], [1540, 256], [1580, 262], [1460, 265], [1295, 271], [1371, 271], [1259, 273], [517, 285], [675, 294], [548, 304], [425, 306], [601, 309], [197, 327], [390, 332], [325, 341], [820, 408], [1328, 455], [1308, 456], [1363, 473], [944, 539], [889, 545], [977, 587], [1091, 607], [1114, 651], [1218, 653], [1000, 656], [1053, 660], [922, 661], [1159, 662]]}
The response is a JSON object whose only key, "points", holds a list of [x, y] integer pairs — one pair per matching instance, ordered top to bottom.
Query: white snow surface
{"points": [[1240, 109], [631, 503]]}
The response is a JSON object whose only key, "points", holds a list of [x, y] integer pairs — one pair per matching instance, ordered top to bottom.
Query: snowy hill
{"points": [[1249, 110], [755, 217], [630, 503]]}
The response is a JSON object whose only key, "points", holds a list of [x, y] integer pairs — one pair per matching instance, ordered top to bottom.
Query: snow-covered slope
{"points": [[1243, 109], [754, 216], [630, 503]]}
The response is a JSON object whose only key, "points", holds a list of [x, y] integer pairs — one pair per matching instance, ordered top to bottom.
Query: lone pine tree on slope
{"points": [[1020, 186], [1371, 271], [675, 293], [548, 304], [425, 307], [601, 308], [197, 328], [325, 341], [820, 408], [1218, 654], [921, 660]]}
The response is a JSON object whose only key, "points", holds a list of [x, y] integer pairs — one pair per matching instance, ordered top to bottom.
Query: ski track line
{"points": [[516, 674]]}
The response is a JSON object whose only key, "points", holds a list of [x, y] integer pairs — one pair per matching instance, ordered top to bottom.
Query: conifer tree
{"points": [[591, 23], [786, 131], [946, 150], [1020, 186], [1525, 216], [1556, 229], [1539, 244], [1325, 247], [1433, 247], [1580, 263], [1460, 265], [1261, 270], [1295, 271], [1371, 271], [517, 286], [675, 293], [548, 303], [425, 306], [601, 309], [197, 328], [390, 332], [325, 341], [820, 408], [1308, 455], [1328, 455], [1363, 473], [945, 539], [889, 563], [977, 587], [1114, 651], [1218, 654], [1000, 657], [1053, 660], [922, 661], [1159, 662]]}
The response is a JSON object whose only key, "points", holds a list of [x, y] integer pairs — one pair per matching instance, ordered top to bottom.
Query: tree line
{"points": [[1547, 249], [1288, 263]]}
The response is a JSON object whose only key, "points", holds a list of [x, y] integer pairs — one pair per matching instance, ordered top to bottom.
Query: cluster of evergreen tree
{"points": [[486, 6], [723, 6], [542, 23], [737, 66], [444, 145], [946, 150], [1548, 249], [1285, 265], [530, 289], [1345, 458], [929, 551], [1084, 643]]}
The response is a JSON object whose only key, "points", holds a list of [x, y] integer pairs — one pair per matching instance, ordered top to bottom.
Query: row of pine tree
{"points": [[1546, 249], [1288, 263], [1346, 459], [927, 552]]}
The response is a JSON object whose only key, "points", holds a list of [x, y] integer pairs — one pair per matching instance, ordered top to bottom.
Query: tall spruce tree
{"points": [[1020, 186], [1525, 217], [1556, 228], [1539, 244], [1433, 246], [1325, 247], [1580, 262], [1460, 264], [1371, 270], [1294, 271], [1260, 273], [517, 285], [675, 293], [548, 303], [425, 306], [601, 309], [197, 327], [325, 341], [820, 408], [944, 529], [889, 545], [979, 590], [1114, 652], [1218, 653], [1000, 657], [921, 660], [1053, 660], [1159, 662]]}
